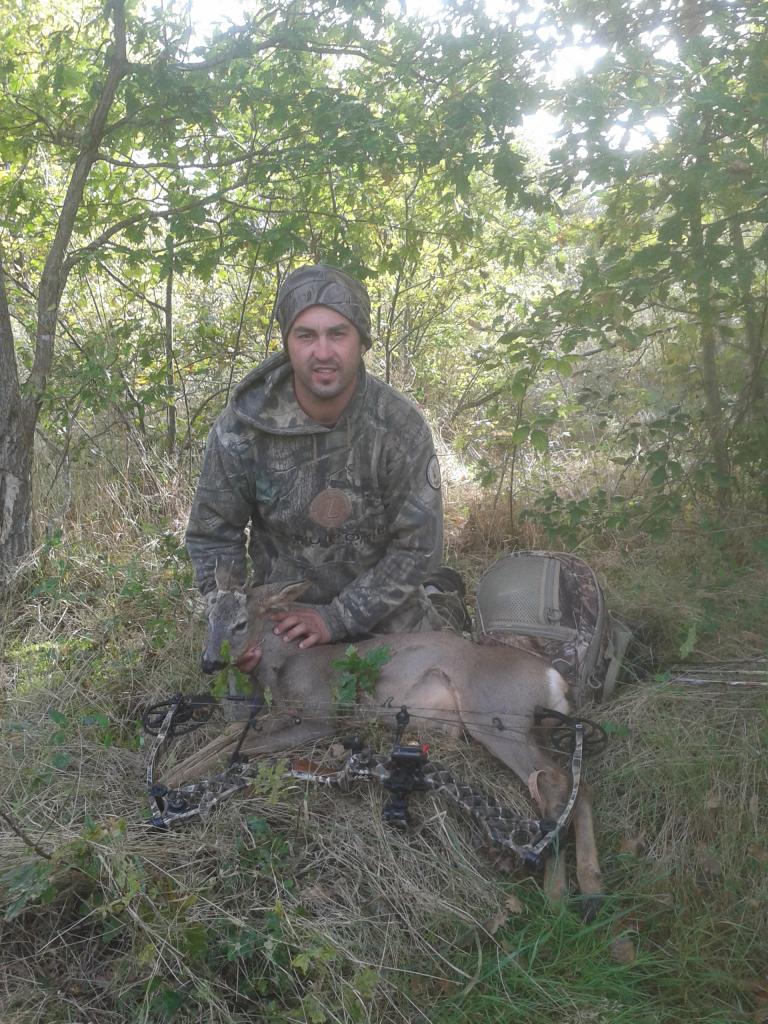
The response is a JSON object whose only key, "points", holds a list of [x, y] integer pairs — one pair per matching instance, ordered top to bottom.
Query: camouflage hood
{"points": [[265, 399]]}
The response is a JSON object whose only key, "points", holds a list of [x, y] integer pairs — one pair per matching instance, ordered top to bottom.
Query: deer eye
{"points": [[239, 627]]}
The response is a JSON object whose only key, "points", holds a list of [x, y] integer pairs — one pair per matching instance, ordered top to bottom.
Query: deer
{"points": [[492, 693]]}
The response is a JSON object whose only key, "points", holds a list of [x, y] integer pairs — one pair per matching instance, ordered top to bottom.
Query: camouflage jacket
{"points": [[355, 509]]}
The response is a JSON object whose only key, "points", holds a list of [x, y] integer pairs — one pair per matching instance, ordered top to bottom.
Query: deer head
{"points": [[238, 616]]}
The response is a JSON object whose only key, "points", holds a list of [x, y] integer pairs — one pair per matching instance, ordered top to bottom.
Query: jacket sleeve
{"points": [[221, 509], [414, 512]]}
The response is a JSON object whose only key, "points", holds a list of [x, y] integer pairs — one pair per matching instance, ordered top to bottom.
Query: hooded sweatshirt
{"points": [[354, 509]]}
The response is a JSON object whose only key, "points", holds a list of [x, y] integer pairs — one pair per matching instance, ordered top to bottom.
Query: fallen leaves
{"points": [[510, 907]]}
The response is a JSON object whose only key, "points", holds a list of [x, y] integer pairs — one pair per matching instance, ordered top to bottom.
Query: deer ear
{"points": [[227, 574], [272, 596]]}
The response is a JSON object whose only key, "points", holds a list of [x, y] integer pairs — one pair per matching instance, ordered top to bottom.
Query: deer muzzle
{"points": [[210, 665]]}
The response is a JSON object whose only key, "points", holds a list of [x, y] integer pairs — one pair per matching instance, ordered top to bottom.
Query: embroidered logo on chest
{"points": [[330, 508]]}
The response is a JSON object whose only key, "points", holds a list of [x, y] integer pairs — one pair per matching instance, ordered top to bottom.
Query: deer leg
{"points": [[549, 787], [587, 863]]}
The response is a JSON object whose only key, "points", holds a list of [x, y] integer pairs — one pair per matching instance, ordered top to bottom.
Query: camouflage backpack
{"points": [[552, 604]]}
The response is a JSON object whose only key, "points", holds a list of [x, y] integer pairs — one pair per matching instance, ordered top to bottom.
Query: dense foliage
{"points": [[603, 305]]}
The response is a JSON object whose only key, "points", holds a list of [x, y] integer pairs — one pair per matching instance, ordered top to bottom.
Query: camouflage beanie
{"points": [[324, 286]]}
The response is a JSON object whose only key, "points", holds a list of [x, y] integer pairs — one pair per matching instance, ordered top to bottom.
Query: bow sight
{"points": [[406, 761]]}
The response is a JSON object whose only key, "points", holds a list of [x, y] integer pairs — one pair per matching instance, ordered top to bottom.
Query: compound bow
{"points": [[402, 771]]}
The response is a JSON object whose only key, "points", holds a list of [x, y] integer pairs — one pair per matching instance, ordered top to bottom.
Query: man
{"points": [[332, 472]]}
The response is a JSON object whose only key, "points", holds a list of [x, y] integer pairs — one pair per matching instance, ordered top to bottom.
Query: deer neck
{"points": [[287, 667]]}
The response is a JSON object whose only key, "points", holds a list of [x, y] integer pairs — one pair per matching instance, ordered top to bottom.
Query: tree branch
{"points": [[114, 229], [56, 269], [126, 286], [15, 827]]}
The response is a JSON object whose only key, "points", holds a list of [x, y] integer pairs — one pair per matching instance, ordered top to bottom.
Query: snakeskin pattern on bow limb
{"points": [[527, 839]]}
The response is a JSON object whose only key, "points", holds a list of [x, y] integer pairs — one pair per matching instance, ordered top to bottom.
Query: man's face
{"points": [[325, 350]]}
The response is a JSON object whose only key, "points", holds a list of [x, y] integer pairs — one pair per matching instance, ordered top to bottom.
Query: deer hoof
{"points": [[590, 908]]}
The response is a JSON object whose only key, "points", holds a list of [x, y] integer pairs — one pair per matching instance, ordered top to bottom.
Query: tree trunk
{"points": [[753, 329], [389, 336], [170, 383], [713, 406], [19, 411], [16, 442], [16, 447]]}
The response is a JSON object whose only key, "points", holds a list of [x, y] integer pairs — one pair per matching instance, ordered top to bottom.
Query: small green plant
{"points": [[689, 641], [358, 675], [220, 684], [26, 884]]}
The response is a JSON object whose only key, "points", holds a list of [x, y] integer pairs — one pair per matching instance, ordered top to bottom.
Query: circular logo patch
{"points": [[433, 473], [330, 508]]}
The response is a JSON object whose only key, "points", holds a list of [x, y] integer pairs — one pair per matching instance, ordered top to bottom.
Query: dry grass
{"points": [[303, 906]]}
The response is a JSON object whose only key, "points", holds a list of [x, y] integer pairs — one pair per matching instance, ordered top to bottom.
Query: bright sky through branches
{"points": [[539, 129]]}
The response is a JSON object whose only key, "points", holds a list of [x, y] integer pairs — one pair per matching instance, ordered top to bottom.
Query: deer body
{"points": [[491, 692]]}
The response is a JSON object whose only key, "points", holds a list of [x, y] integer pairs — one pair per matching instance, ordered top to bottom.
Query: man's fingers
{"points": [[287, 623], [305, 624], [301, 629], [310, 641], [249, 660]]}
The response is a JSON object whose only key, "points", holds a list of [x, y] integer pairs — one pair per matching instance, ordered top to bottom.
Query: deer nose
{"points": [[211, 665]]}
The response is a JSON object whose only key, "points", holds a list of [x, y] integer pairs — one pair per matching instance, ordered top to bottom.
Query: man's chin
{"points": [[325, 380], [326, 390]]}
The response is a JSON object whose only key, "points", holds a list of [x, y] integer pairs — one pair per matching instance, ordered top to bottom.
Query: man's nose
{"points": [[323, 347]]}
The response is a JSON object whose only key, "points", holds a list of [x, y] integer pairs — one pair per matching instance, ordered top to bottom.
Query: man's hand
{"points": [[303, 624], [247, 662]]}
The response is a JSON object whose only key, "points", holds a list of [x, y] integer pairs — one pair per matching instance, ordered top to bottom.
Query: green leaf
{"points": [[509, 172], [539, 440], [358, 674], [96, 718], [614, 729], [61, 760], [258, 826], [25, 885], [194, 941], [302, 962], [365, 982], [168, 1002], [314, 1011]]}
